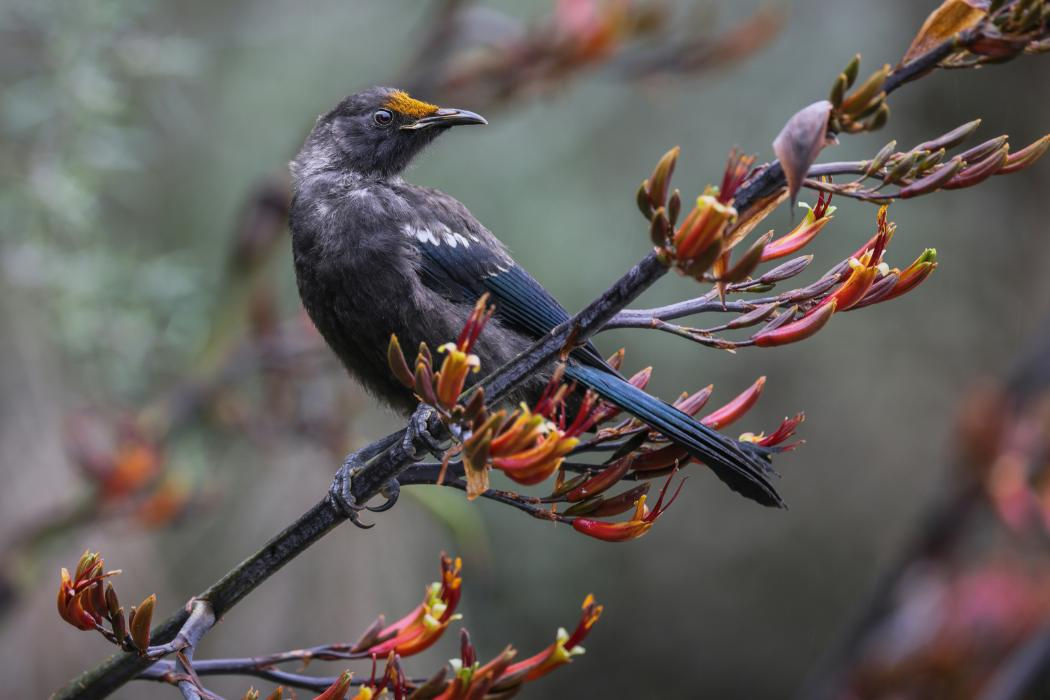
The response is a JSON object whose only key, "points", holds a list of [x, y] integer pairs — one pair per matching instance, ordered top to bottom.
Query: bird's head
{"points": [[376, 133]]}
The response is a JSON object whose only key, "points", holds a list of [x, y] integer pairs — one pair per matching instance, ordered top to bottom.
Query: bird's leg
{"points": [[417, 442], [341, 493]]}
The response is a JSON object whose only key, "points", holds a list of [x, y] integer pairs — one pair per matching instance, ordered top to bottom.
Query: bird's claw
{"points": [[419, 440], [341, 491], [391, 492]]}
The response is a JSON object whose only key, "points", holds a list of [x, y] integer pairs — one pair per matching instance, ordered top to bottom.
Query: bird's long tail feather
{"points": [[741, 469]]}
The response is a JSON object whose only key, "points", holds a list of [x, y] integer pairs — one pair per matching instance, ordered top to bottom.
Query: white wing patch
{"points": [[438, 236]]}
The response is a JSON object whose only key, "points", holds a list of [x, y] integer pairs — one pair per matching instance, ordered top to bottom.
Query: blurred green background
{"points": [[130, 134]]}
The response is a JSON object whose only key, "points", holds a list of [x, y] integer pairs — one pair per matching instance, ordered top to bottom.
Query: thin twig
{"points": [[427, 474], [164, 672]]}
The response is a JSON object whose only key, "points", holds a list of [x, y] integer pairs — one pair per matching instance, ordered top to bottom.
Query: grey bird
{"points": [[375, 255]]}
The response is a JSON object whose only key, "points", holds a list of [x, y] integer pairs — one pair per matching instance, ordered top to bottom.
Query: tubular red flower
{"points": [[1026, 156], [814, 222], [702, 227], [862, 276], [912, 276], [475, 324], [798, 330], [453, 374], [692, 403], [737, 407], [784, 431], [661, 458], [601, 482], [639, 524], [81, 599], [425, 624], [565, 647], [337, 691]]}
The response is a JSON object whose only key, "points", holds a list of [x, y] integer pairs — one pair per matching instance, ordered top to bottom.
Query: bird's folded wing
{"points": [[463, 266]]}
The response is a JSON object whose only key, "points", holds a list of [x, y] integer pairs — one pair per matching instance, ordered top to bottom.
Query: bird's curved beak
{"points": [[446, 117]]}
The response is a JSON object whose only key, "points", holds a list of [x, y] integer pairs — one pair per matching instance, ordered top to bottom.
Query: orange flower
{"points": [[816, 219], [704, 225], [865, 267], [913, 275], [862, 276], [796, 330], [459, 362], [452, 376], [443, 388], [735, 408], [786, 429], [528, 446], [114, 451], [135, 464], [167, 502], [640, 523], [81, 597], [423, 626], [565, 647], [470, 678], [337, 691], [364, 693]]}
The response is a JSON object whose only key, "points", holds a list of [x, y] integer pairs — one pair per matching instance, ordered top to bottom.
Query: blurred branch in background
{"points": [[477, 55], [125, 456], [964, 612]]}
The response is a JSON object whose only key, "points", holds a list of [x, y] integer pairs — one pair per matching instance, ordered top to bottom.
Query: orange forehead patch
{"points": [[405, 104]]}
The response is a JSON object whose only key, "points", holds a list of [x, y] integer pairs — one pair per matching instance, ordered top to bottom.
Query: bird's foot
{"points": [[420, 441], [341, 491]]}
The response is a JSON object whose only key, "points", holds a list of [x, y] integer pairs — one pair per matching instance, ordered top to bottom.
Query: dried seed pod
{"points": [[140, 622]]}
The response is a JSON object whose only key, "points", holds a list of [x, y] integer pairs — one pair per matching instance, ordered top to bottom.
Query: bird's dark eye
{"points": [[383, 117]]}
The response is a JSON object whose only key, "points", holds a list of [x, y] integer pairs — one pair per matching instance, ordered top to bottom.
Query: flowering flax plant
{"points": [[602, 464]]}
